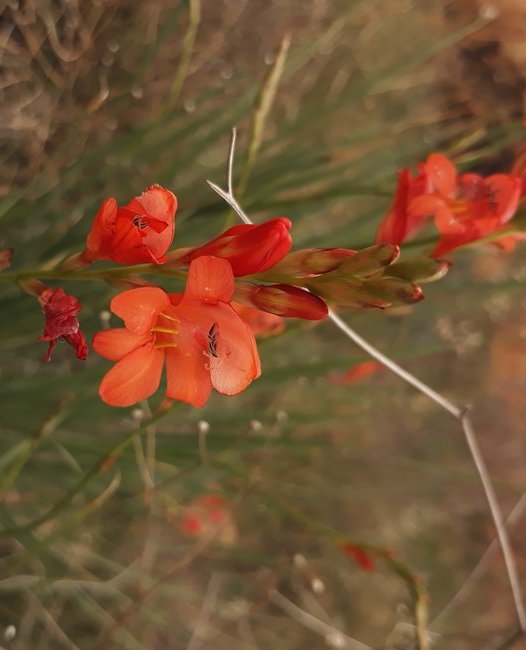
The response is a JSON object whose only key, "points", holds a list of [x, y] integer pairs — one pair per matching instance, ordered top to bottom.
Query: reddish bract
{"points": [[139, 233], [249, 248], [60, 310], [204, 343]]}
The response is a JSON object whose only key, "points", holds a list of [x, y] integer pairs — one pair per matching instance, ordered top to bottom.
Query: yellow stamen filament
{"points": [[174, 318], [166, 330], [159, 346]]}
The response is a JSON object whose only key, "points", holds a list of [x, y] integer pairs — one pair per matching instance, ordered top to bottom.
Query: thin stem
{"points": [[230, 165], [231, 202], [117, 271], [394, 367], [463, 417], [498, 519], [512, 519], [312, 623]]}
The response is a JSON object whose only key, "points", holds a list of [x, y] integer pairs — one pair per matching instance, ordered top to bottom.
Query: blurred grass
{"points": [[359, 96]]}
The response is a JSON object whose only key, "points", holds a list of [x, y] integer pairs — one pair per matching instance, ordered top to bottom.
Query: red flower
{"points": [[468, 207], [465, 208], [398, 223], [140, 232], [249, 248], [61, 311], [204, 342], [206, 515], [361, 557]]}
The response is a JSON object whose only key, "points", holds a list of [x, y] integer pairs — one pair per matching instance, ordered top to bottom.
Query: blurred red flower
{"points": [[465, 208], [138, 233], [249, 248], [60, 310], [203, 341], [357, 373], [209, 514], [359, 555]]}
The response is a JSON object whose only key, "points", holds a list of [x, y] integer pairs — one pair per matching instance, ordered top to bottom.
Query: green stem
{"points": [[100, 275]]}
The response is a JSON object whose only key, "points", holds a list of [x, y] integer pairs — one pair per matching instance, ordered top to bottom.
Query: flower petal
{"points": [[442, 174], [505, 193], [161, 204], [97, 241], [127, 245], [210, 279], [139, 308], [114, 344], [237, 360], [188, 377], [134, 378]]}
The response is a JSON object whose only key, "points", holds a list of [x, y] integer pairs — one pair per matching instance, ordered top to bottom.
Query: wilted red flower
{"points": [[138, 233], [249, 248], [282, 300], [61, 311], [262, 323], [204, 342], [359, 555]]}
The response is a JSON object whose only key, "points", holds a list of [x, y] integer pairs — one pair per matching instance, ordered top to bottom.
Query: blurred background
{"points": [[200, 532]]}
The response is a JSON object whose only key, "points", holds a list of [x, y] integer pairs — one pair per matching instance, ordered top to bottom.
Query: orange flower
{"points": [[138, 233], [204, 343]]}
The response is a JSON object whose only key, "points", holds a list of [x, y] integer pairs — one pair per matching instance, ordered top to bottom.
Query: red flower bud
{"points": [[138, 233], [249, 248], [282, 299], [61, 311]]}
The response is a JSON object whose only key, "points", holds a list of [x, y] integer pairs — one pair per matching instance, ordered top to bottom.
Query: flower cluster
{"points": [[465, 208], [243, 283]]}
